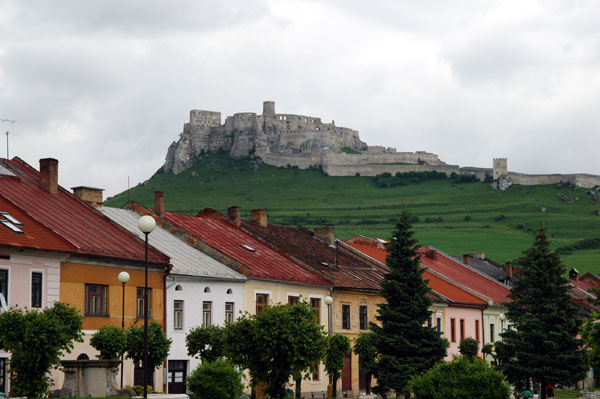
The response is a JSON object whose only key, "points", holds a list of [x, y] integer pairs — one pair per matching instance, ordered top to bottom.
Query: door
{"points": [[347, 373], [2, 374], [177, 375], [138, 376]]}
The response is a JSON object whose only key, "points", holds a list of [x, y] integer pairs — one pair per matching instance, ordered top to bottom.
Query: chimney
{"points": [[49, 174], [90, 195], [159, 203], [235, 214], [259, 216], [326, 233], [430, 253], [467, 259], [508, 267]]}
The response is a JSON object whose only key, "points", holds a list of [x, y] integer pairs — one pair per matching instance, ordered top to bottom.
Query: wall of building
{"points": [[74, 276], [278, 293], [193, 294], [469, 315]]}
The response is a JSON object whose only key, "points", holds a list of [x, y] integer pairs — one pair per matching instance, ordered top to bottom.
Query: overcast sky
{"points": [[106, 86]]}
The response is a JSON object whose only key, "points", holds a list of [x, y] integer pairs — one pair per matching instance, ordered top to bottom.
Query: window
{"points": [[4, 284], [36, 290], [95, 300], [293, 300], [262, 301], [140, 302], [315, 304], [228, 312], [206, 313], [178, 315], [346, 317], [363, 318], [429, 322], [438, 325], [462, 329], [453, 330], [477, 330], [492, 333], [316, 376]]}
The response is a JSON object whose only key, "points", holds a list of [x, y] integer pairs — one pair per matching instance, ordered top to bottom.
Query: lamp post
{"points": [[146, 224], [123, 278], [329, 302]]}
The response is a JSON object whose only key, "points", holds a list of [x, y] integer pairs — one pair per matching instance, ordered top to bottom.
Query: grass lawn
{"points": [[454, 217], [568, 393]]}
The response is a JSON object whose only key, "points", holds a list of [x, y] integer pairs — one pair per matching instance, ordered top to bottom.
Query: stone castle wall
{"points": [[377, 169], [580, 180]]}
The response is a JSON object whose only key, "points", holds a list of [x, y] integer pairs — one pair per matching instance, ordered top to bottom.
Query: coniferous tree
{"points": [[541, 343], [406, 345]]}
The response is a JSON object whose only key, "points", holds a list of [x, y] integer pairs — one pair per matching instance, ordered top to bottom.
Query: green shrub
{"points": [[467, 218], [109, 341], [469, 347], [460, 379], [215, 380]]}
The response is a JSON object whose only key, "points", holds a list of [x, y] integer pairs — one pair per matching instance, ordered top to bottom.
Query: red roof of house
{"points": [[86, 229], [34, 236], [262, 261], [340, 265], [465, 276], [436, 283], [583, 284]]}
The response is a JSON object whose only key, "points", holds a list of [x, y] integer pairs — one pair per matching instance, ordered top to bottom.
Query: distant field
{"points": [[454, 217]]}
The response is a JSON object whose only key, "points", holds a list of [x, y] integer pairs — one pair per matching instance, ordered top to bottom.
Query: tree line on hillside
{"points": [[386, 179], [402, 352]]}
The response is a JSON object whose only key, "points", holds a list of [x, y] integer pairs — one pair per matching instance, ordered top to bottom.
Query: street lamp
{"points": [[146, 224], [123, 278], [329, 302]]}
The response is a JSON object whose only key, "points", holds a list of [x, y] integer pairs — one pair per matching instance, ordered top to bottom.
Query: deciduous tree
{"points": [[36, 340], [110, 341], [542, 341], [206, 343], [158, 344], [406, 345], [338, 347], [364, 347]]}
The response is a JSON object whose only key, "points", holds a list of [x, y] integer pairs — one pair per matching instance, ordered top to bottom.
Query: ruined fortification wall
{"points": [[381, 158], [303, 161], [377, 169], [481, 173], [581, 180]]}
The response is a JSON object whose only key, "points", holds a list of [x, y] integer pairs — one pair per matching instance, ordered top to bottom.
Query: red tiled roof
{"points": [[90, 232], [36, 235], [262, 261], [352, 271], [465, 276], [436, 283], [584, 285]]}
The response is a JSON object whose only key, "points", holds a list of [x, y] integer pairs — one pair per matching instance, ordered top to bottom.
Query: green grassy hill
{"points": [[454, 217]]}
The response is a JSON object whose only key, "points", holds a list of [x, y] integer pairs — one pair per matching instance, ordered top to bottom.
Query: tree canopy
{"points": [[36, 340], [110, 341], [206, 342], [279, 342], [541, 343], [158, 344], [406, 345], [364, 347], [337, 348]]}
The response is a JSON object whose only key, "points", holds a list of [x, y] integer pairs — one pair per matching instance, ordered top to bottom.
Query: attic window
{"points": [[4, 171], [11, 219], [12, 227], [248, 248], [324, 263], [178, 288], [207, 289], [229, 291]]}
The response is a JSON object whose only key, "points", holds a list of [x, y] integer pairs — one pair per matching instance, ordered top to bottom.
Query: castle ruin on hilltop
{"points": [[306, 141]]}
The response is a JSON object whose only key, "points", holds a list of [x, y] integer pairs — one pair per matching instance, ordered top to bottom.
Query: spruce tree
{"points": [[541, 343], [406, 345]]}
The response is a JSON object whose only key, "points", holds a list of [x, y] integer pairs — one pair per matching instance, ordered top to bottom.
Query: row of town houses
{"points": [[207, 269]]}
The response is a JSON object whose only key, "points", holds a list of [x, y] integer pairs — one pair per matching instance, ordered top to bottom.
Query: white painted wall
{"points": [[193, 295]]}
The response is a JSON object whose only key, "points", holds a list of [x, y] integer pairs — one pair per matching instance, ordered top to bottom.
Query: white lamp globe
{"points": [[146, 224], [123, 277], [328, 300]]}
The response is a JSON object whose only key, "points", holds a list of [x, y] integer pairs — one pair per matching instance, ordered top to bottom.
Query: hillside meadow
{"points": [[456, 217]]}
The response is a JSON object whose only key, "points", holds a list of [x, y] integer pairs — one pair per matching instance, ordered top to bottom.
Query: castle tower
{"points": [[268, 108], [500, 168]]}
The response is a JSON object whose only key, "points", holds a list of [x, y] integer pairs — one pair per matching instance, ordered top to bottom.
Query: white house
{"points": [[199, 291]]}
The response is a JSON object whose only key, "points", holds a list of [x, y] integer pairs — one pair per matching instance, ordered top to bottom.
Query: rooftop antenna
{"points": [[10, 121]]}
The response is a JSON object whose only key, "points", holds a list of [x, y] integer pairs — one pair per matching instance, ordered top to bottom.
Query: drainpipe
{"points": [[166, 363]]}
